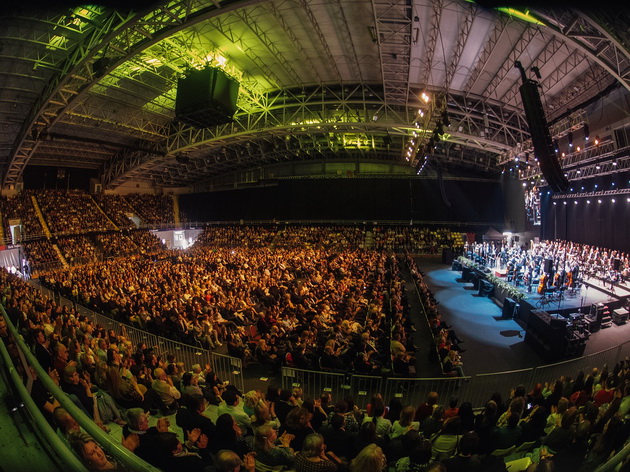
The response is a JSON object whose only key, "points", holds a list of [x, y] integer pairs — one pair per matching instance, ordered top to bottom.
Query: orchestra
{"points": [[552, 265]]}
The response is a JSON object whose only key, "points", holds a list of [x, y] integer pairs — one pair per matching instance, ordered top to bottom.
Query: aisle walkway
{"points": [[492, 344], [20, 450]]}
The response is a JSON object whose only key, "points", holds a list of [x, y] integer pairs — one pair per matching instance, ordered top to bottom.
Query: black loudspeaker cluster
{"points": [[206, 98], [541, 138]]}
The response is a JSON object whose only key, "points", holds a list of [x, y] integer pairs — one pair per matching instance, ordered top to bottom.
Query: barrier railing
{"points": [[40, 425], [119, 452]]}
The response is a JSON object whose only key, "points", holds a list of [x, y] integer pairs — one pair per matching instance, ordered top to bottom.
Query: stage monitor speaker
{"points": [[206, 98], [539, 131], [616, 264], [548, 266], [510, 309], [557, 321]]}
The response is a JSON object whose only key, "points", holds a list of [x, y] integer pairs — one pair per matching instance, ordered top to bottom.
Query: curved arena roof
{"points": [[95, 86]]}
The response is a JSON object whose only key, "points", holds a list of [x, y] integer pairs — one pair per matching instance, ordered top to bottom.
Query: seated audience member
{"points": [[190, 384], [163, 386], [81, 388], [234, 407], [425, 409], [452, 409], [190, 416], [405, 422], [66, 424], [433, 424], [299, 425], [383, 425], [138, 427], [508, 435], [230, 436], [560, 436], [339, 441], [445, 441], [400, 447], [272, 450], [91, 453], [177, 457], [312, 457], [370, 459], [418, 459], [466, 459], [229, 461]]}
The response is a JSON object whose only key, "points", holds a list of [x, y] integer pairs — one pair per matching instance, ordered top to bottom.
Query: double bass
{"points": [[543, 283]]}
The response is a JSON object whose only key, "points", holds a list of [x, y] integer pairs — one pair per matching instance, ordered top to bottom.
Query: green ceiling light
{"points": [[524, 16], [56, 42]]}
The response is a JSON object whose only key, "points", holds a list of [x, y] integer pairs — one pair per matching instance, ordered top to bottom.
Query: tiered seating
{"points": [[117, 208], [71, 212]]}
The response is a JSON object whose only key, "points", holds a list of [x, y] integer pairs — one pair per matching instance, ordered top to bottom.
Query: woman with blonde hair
{"points": [[264, 415], [404, 423], [272, 450], [370, 459]]}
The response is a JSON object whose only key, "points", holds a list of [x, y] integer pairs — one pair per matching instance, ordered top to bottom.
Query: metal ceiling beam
{"points": [[272, 8], [500, 26], [393, 30], [118, 39], [264, 39], [592, 39], [462, 40], [323, 42], [431, 42], [507, 65], [60, 90], [314, 120]]}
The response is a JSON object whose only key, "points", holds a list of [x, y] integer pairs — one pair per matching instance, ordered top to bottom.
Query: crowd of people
{"points": [[73, 212], [554, 263], [269, 305], [445, 346], [566, 424]]}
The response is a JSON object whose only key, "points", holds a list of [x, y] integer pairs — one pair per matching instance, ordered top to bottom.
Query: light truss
{"points": [[393, 28], [322, 121], [594, 161], [600, 193]]}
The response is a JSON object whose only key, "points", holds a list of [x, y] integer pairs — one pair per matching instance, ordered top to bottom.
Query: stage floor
{"points": [[592, 290]]}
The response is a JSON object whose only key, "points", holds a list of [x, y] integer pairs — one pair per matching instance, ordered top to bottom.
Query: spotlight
{"points": [[586, 133], [570, 138], [596, 140], [555, 145]]}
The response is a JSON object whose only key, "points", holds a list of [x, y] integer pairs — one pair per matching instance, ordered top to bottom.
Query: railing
{"points": [[226, 367], [40, 425], [127, 458]]}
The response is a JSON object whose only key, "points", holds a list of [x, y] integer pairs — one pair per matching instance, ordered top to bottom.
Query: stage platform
{"points": [[591, 290]]}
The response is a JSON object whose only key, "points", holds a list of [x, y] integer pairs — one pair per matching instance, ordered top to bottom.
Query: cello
{"points": [[543, 283]]}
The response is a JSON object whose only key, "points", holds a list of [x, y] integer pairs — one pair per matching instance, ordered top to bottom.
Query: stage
{"points": [[495, 343]]}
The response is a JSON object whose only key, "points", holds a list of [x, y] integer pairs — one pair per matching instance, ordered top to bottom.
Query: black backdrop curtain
{"points": [[366, 199]]}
